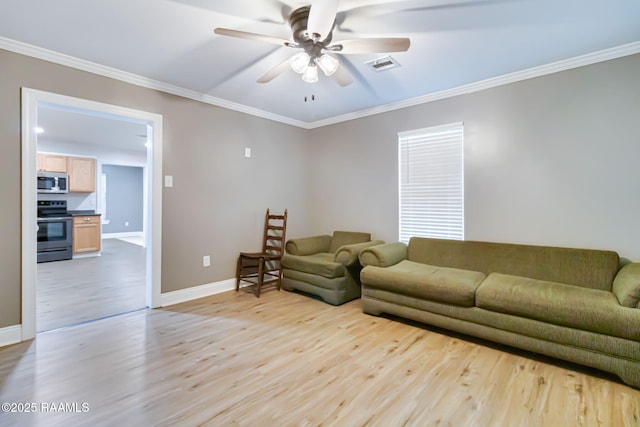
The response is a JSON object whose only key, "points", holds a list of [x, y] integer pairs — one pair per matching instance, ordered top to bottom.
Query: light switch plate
{"points": [[247, 152], [168, 181]]}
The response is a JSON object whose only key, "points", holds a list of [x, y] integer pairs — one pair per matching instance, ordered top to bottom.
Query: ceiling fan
{"points": [[312, 28]]}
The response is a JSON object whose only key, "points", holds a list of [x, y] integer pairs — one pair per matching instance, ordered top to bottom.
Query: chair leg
{"points": [[238, 272], [279, 275], [260, 276]]}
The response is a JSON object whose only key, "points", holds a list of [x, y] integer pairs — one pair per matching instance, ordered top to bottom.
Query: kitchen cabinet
{"points": [[52, 163], [81, 170], [82, 174], [86, 233]]}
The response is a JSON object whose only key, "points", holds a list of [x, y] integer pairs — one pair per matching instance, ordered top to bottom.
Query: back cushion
{"points": [[341, 238], [581, 267]]}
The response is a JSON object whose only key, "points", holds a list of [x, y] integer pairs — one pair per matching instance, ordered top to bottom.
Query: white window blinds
{"points": [[432, 182]]}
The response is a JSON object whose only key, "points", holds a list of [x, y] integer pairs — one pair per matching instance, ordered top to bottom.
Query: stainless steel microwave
{"points": [[53, 182]]}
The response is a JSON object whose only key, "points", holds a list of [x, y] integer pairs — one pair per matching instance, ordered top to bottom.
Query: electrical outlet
{"points": [[126, 223], [206, 261]]}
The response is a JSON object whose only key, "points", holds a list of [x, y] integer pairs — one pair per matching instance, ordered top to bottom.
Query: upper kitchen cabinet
{"points": [[52, 163], [81, 170], [82, 174]]}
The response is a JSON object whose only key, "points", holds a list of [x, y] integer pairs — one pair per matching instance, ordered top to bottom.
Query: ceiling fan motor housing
{"points": [[298, 20]]}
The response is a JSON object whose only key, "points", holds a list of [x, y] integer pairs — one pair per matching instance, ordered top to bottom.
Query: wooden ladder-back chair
{"points": [[263, 268]]}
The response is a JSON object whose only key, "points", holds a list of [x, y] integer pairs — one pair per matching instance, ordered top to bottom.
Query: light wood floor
{"points": [[79, 290], [289, 360]]}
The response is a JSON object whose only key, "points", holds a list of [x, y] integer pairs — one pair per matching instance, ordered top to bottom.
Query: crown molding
{"points": [[102, 70], [542, 70], [135, 79]]}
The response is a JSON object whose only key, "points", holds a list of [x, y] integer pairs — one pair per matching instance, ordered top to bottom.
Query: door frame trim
{"points": [[31, 100]]}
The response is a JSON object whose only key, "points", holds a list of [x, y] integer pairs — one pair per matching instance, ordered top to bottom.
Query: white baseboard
{"points": [[119, 235], [87, 255], [184, 295], [10, 335]]}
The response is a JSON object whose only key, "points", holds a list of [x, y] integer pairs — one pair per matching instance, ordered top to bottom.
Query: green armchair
{"points": [[326, 266]]}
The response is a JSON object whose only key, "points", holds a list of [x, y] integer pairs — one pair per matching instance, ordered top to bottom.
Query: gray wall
{"points": [[551, 160], [219, 198], [125, 199]]}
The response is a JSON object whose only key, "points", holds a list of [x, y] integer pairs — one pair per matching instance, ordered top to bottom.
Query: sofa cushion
{"points": [[341, 238], [308, 245], [348, 254], [383, 255], [321, 264], [581, 267], [429, 282], [626, 285], [567, 305]]}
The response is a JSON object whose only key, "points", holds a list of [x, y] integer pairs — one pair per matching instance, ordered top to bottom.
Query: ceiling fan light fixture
{"points": [[299, 62], [328, 64], [310, 75]]}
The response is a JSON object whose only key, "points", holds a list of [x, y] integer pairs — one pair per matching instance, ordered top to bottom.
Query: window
{"points": [[431, 182]]}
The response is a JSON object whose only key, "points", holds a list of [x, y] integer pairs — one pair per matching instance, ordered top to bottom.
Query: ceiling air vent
{"points": [[382, 64]]}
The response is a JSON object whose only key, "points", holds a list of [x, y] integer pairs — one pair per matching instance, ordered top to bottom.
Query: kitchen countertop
{"points": [[83, 213]]}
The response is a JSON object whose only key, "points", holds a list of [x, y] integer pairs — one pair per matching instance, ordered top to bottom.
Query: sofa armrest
{"points": [[308, 245], [348, 254], [384, 255], [626, 285]]}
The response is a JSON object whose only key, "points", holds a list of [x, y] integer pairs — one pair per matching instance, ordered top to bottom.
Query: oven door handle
{"points": [[50, 219]]}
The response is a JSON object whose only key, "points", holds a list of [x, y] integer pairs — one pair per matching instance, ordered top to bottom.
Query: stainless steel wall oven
{"points": [[54, 231]]}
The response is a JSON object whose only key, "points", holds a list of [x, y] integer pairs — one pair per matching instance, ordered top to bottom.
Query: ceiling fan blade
{"points": [[356, 4], [321, 17], [251, 36], [371, 45], [274, 72], [342, 76]]}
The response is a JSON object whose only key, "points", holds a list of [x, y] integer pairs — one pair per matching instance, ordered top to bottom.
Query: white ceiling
{"points": [[453, 43], [86, 127]]}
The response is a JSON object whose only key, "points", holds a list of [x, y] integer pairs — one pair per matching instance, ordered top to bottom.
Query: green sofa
{"points": [[326, 266], [579, 305]]}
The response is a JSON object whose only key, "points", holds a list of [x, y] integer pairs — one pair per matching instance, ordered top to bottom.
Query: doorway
{"points": [[32, 102], [104, 278]]}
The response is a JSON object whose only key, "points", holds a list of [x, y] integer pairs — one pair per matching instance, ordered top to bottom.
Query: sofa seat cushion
{"points": [[321, 264], [449, 285], [566, 305]]}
